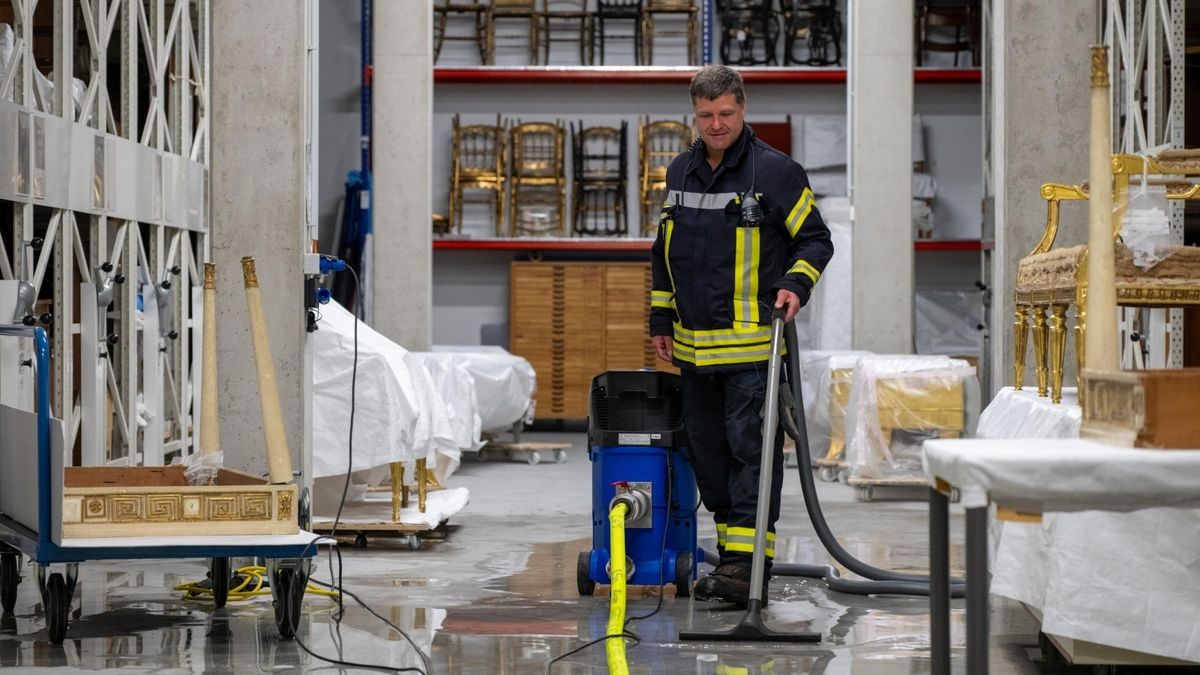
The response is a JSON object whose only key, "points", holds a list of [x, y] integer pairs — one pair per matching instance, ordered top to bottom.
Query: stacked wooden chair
{"points": [[672, 8], [481, 15], [658, 143], [478, 156], [599, 202], [538, 203]]}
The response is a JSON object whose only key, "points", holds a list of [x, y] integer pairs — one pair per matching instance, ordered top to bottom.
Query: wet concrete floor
{"points": [[496, 594]]}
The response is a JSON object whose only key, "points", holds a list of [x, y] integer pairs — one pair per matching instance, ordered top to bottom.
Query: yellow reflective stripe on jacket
{"points": [[800, 211], [803, 267], [745, 276], [660, 299], [723, 337], [721, 356], [721, 527], [741, 540]]}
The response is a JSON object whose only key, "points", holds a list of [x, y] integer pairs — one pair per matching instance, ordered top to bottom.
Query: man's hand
{"points": [[790, 301], [663, 345]]}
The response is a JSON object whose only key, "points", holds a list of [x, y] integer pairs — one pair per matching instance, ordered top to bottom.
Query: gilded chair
{"points": [[674, 8], [522, 11], [478, 12], [569, 19], [658, 143], [477, 165], [599, 202], [538, 204], [1054, 279]]}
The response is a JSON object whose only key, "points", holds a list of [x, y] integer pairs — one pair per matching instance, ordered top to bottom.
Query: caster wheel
{"points": [[559, 456], [533, 458], [828, 474], [843, 476], [865, 493], [360, 540], [414, 543], [582, 575], [683, 575], [219, 576], [10, 577], [288, 596], [58, 608]]}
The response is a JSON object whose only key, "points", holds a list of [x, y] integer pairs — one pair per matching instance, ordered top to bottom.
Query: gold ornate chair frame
{"points": [[658, 143], [477, 163], [538, 175], [1050, 335]]}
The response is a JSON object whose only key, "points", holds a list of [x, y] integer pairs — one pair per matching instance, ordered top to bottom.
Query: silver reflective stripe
{"points": [[701, 200], [747, 269]]}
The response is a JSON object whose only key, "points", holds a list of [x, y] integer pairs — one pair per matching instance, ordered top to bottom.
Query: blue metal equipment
{"points": [[636, 436]]}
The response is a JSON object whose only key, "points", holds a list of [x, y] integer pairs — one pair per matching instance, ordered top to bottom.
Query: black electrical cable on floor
{"points": [[297, 588]]}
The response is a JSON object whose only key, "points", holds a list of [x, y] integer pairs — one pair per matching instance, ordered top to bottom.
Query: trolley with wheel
{"points": [[31, 523]]}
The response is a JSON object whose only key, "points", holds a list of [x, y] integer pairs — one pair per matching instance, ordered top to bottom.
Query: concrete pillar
{"points": [[1040, 75], [881, 108], [402, 123], [257, 188]]}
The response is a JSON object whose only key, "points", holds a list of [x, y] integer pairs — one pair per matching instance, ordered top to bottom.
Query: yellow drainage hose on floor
{"points": [[615, 647]]}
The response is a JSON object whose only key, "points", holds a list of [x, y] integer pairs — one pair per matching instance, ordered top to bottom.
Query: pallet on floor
{"points": [[532, 452], [912, 487], [362, 532]]}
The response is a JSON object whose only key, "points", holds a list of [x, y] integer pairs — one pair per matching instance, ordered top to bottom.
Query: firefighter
{"points": [[739, 235]]}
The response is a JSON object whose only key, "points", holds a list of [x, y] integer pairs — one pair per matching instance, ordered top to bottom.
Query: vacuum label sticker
{"points": [[637, 439]]}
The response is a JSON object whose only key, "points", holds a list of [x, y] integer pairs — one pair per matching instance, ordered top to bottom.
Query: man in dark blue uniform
{"points": [[739, 235]]}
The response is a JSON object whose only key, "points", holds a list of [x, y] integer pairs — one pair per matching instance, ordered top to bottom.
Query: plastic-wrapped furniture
{"points": [[671, 8], [608, 11], [478, 12], [569, 18], [815, 25], [752, 26], [658, 143], [477, 164], [538, 204], [599, 205], [1055, 279], [896, 402]]}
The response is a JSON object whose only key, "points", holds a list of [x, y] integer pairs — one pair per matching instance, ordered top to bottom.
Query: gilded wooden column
{"points": [[1020, 337], [1039, 348], [1058, 350]]}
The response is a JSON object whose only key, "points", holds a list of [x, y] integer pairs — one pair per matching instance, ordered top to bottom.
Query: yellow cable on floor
{"points": [[253, 578], [616, 597]]}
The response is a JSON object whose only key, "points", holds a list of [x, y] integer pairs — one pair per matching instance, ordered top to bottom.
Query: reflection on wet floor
{"points": [[498, 596]]}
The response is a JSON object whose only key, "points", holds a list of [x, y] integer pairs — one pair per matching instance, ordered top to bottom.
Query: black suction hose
{"points": [[879, 581]]}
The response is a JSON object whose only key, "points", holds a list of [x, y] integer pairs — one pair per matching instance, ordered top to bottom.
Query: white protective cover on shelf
{"points": [[828, 314], [947, 322], [504, 383], [869, 454], [1143, 597]]}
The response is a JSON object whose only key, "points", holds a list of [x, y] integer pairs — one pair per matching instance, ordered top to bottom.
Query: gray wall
{"points": [[340, 73]]}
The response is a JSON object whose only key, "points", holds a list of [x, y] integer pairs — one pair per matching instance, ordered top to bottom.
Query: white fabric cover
{"points": [[829, 312], [504, 383], [1128, 580]]}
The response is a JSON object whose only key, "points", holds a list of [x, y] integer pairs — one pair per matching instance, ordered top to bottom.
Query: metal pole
{"points": [[766, 463], [939, 582], [977, 591]]}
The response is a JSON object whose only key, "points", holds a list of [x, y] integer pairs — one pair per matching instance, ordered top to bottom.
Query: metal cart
{"points": [[27, 526]]}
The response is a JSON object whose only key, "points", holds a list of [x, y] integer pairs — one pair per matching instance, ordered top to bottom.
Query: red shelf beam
{"points": [[673, 75], [631, 244]]}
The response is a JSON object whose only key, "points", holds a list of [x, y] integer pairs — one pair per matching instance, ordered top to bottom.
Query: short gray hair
{"points": [[712, 82]]}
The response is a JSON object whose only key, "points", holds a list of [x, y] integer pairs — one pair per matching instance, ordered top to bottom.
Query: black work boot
{"points": [[730, 582]]}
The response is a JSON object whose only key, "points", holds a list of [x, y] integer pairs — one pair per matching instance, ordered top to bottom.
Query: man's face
{"points": [[719, 120]]}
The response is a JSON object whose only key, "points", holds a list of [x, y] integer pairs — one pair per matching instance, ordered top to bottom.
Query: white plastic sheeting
{"points": [[828, 317], [947, 322], [897, 401], [409, 405], [823, 408], [1129, 580]]}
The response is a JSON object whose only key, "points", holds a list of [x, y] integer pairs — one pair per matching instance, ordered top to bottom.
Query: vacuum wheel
{"points": [[583, 575], [683, 575], [10, 576], [219, 577], [288, 596], [58, 608]]}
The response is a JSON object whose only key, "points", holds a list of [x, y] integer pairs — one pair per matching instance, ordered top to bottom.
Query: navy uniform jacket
{"points": [[715, 282]]}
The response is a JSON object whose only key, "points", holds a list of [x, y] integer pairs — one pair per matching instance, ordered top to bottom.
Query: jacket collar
{"points": [[732, 157]]}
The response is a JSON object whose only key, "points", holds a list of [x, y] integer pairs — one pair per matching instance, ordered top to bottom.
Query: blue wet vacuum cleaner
{"points": [[635, 439]]}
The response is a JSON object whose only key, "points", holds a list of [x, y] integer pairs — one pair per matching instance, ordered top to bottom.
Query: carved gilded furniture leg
{"points": [[1020, 337], [1039, 348], [1058, 350], [397, 485], [422, 485]]}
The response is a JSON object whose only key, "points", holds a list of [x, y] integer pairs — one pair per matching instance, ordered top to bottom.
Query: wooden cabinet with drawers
{"points": [[575, 320]]}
